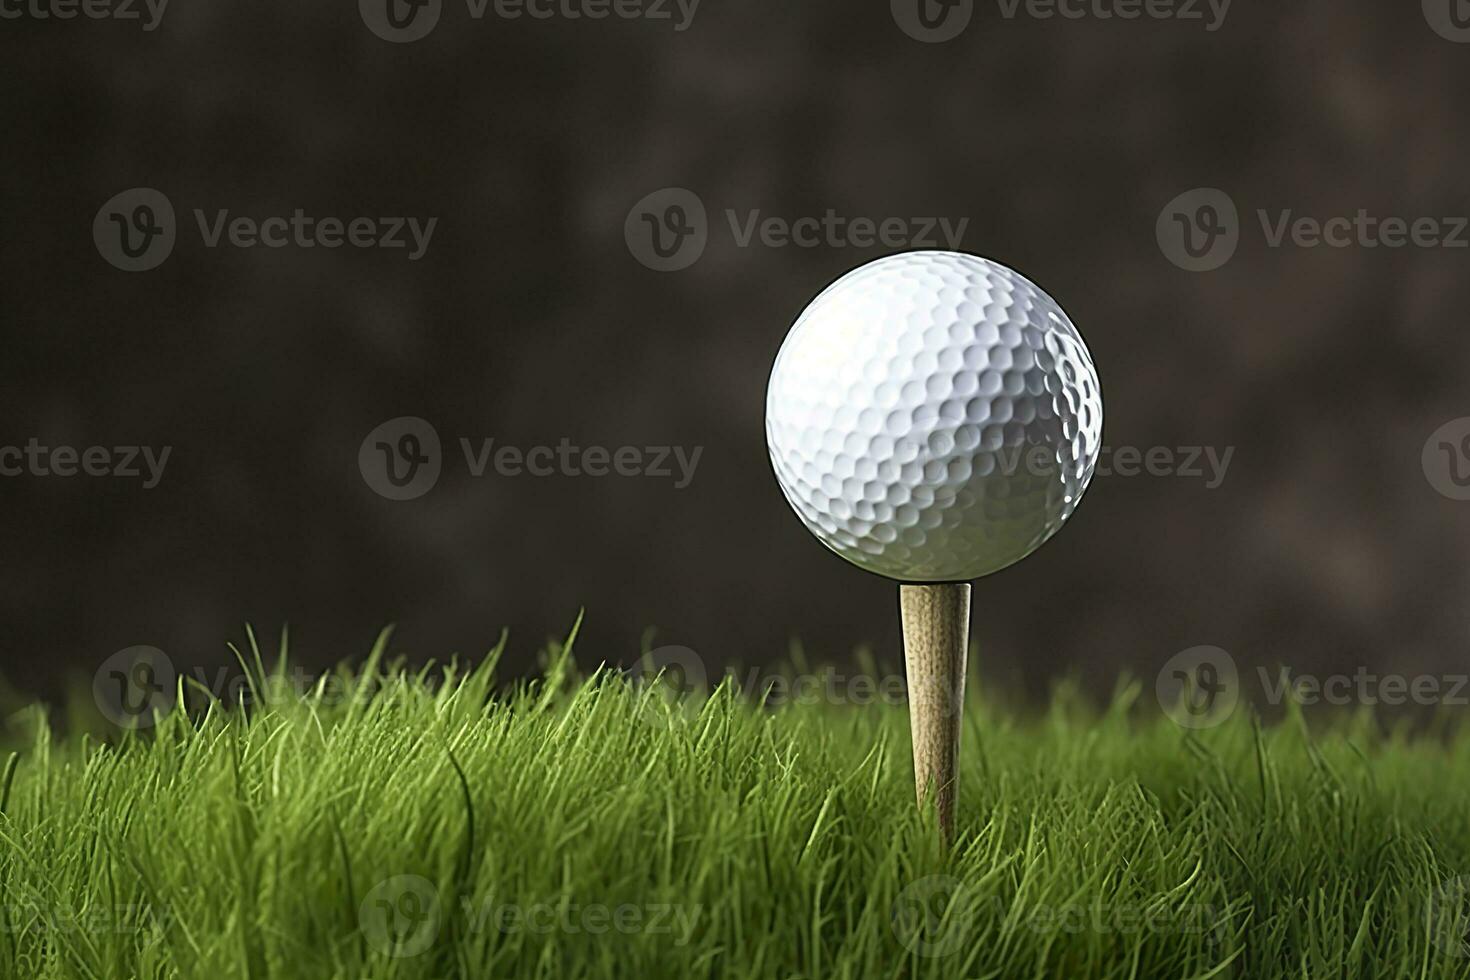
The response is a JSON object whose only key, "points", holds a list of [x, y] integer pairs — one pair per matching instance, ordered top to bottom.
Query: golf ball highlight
{"points": [[933, 417]]}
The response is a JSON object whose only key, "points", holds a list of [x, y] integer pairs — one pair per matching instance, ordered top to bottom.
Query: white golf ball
{"points": [[933, 417]]}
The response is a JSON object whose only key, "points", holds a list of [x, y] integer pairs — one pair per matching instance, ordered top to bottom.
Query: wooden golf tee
{"points": [[936, 635]]}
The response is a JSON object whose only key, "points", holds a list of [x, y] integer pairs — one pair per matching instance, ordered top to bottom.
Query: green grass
{"points": [[436, 824]]}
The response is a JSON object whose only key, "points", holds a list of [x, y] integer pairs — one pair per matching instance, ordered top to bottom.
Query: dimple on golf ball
{"points": [[933, 417]]}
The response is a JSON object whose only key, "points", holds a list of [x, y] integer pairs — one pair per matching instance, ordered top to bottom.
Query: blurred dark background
{"points": [[530, 319]]}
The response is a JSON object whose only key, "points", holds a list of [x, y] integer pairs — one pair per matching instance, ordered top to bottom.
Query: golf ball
{"points": [[933, 417]]}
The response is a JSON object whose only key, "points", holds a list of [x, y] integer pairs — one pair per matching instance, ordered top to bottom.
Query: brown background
{"points": [[529, 320]]}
